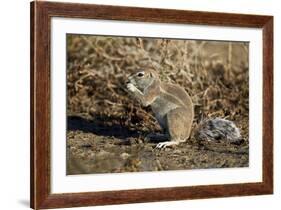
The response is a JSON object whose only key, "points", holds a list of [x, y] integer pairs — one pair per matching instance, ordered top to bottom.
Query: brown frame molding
{"points": [[41, 14]]}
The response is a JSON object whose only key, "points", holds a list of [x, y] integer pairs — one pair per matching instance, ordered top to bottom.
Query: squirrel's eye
{"points": [[140, 74]]}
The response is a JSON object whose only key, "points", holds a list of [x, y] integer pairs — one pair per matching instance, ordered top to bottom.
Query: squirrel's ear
{"points": [[150, 74]]}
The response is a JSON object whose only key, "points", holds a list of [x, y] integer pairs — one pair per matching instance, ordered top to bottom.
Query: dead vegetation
{"points": [[215, 74]]}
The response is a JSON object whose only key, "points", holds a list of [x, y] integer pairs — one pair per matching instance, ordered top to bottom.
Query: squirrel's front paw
{"points": [[131, 87]]}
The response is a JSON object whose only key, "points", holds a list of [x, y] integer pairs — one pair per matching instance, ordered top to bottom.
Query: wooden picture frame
{"points": [[41, 14]]}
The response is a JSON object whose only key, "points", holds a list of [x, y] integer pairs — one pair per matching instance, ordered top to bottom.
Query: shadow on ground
{"points": [[98, 127]]}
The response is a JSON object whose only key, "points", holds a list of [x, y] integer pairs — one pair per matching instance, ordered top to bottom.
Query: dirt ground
{"points": [[106, 129]]}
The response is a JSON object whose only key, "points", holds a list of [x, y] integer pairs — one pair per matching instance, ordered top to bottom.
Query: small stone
{"points": [[125, 155]]}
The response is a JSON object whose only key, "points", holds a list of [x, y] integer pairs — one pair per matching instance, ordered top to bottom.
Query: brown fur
{"points": [[171, 104]]}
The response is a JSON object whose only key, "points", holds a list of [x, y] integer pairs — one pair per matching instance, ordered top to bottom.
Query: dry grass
{"points": [[215, 74]]}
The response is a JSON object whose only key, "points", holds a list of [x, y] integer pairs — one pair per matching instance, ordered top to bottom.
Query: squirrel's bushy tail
{"points": [[217, 129]]}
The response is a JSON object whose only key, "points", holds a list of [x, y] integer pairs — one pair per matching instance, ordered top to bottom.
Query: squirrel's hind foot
{"points": [[166, 144]]}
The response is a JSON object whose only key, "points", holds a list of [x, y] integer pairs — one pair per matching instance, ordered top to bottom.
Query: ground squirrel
{"points": [[174, 111]]}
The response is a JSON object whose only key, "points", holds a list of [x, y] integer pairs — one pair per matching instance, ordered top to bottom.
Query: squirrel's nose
{"points": [[129, 80]]}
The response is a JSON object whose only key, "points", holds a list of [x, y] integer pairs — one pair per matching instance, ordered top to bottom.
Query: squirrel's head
{"points": [[143, 78]]}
